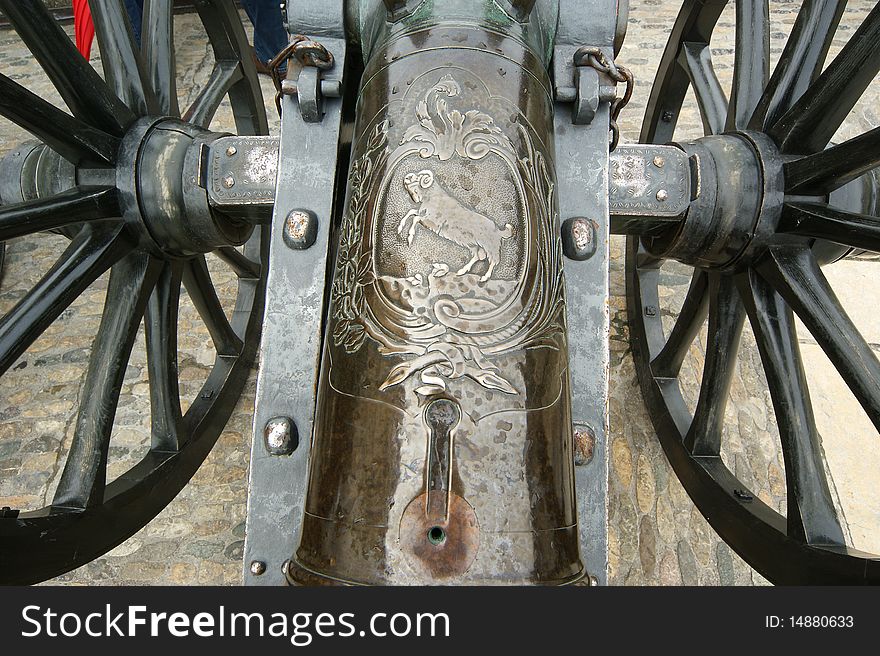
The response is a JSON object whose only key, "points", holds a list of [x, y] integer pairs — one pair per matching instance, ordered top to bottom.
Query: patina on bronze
{"points": [[443, 443]]}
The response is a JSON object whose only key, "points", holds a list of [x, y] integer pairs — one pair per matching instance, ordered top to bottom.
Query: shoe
{"points": [[262, 67]]}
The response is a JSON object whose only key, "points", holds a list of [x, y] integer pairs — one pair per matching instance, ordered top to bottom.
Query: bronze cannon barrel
{"points": [[442, 450]]}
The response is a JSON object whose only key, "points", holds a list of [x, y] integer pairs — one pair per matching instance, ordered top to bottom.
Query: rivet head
{"points": [[231, 151], [659, 162], [228, 181], [662, 195], [300, 229], [579, 238], [280, 436], [584, 444], [258, 567], [594, 581]]}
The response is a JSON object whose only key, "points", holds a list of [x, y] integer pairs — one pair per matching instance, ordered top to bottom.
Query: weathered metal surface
{"points": [[582, 156], [252, 162], [648, 180], [294, 307], [442, 449]]}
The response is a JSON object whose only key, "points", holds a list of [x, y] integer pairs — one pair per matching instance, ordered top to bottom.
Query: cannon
{"points": [[422, 264]]}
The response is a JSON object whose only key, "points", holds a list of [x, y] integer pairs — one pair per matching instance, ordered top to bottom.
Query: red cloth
{"points": [[83, 27]]}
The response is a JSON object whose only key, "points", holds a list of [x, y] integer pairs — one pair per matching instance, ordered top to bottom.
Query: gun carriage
{"points": [[422, 260]]}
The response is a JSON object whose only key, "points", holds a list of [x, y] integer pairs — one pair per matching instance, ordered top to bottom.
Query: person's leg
{"points": [[135, 10], [270, 37]]}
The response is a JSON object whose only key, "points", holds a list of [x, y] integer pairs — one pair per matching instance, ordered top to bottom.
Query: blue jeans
{"points": [[135, 15], [269, 33], [270, 37]]}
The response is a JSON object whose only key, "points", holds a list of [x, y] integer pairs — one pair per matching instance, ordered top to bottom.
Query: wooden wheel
{"points": [[123, 138], [776, 202]]}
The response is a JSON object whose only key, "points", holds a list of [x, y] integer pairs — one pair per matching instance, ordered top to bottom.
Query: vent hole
{"points": [[436, 536]]}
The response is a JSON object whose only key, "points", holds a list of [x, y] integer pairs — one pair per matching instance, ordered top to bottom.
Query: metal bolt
{"points": [[331, 88], [668, 116], [231, 151], [659, 162], [228, 181], [662, 195], [300, 229], [579, 238], [650, 310], [280, 436], [584, 444], [742, 495], [258, 567], [594, 581]]}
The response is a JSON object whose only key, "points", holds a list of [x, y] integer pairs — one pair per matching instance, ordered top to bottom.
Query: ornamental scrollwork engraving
{"points": [[447, 264]]}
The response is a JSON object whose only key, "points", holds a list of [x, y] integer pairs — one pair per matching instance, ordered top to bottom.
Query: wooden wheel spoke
{"points": [[694, 24], [230, 45], [158, 52], [120, 56], [696, 59], [751, 61], [801, 61], [85, 93], [203, 108], [811, 122], [66, 135], [830, 169], [64, 209], [821, 221], [91, 253], [241, 265], [796, 275], [201, 291], [694, 310], [726, 315], [160, 329], [84, 476], [88, 515], [810, 516]]}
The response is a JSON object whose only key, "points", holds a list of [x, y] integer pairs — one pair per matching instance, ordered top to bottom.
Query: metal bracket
{"points": [[309, 67], [582, 86], [582, 169], [241, 176], [650, 187], [293, 323]]}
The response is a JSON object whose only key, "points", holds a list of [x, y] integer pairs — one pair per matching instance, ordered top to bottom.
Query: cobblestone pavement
{"points": [[656, 535]]}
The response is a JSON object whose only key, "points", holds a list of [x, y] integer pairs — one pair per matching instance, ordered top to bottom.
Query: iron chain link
{"points": [[304, 50]]}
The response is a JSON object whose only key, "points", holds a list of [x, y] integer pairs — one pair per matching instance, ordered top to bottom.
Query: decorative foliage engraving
{"points": [[446, 132], [354, 269], [494, 283]]}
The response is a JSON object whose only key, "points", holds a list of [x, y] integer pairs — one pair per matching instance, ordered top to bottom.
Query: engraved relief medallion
{"points": [[449, 257]]}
